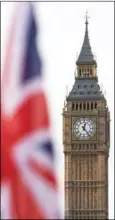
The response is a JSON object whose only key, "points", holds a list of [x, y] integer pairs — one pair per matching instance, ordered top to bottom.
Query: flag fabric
{"points": [[29, 188]]}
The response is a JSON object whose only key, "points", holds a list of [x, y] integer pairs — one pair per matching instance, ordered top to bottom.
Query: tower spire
{"points": [[86, 21], [86, 56]]}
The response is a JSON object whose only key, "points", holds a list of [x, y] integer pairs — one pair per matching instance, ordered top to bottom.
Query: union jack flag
{"points": [[29, 187]]}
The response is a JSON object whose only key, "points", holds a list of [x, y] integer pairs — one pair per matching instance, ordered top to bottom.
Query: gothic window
{"points": [[89, 70], [86, 71], [80, 72], [90, 74], [92, 105], [95, 105], [72, 106], [76, 106], [80, 106], [84, 106], [87, 106], [87, 145], [79, 146], [91, 168], [80, 197], [88, 200]]}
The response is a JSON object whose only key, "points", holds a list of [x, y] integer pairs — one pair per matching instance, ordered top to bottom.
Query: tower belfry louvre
{"points": [[86, 141]]}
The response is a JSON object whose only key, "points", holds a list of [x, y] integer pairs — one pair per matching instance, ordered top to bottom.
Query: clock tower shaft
{"points": [[86, 156]]}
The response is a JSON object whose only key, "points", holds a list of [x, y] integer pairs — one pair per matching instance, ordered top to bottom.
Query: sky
{"points": [[61, 36]]}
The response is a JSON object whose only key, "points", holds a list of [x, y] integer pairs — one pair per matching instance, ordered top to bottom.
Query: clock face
{"points": [[84, 128]]}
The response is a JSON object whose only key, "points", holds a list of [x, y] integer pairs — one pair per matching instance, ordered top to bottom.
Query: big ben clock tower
{"points": [[86, 132]]}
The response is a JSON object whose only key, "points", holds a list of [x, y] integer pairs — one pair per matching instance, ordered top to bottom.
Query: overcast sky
{"points": [[61, 37]]}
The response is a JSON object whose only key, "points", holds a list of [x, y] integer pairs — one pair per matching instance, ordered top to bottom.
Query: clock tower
{"points": [[86, 141]]}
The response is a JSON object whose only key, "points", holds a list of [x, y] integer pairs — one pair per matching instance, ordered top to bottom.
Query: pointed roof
{"points": [[86, 56], [87, 89]]}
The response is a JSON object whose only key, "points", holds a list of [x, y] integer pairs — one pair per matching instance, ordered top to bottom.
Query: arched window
{"points": [[88, 70], [79, 72], [83, 72], [92, 105], [95, 105], [72, 106], [80, 106], [84, 106], [88, 106], [79, 146], [94, 146]]}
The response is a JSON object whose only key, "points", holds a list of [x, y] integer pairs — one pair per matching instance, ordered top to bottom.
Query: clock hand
{"points": [[84, 127], [86, 131]]}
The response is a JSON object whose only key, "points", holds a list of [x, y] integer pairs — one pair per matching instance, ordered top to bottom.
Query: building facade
{"points": [[86, 141]]}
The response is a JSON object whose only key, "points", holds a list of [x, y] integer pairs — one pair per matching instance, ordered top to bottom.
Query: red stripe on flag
{"points": [[31, 117], [23, 204]]}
